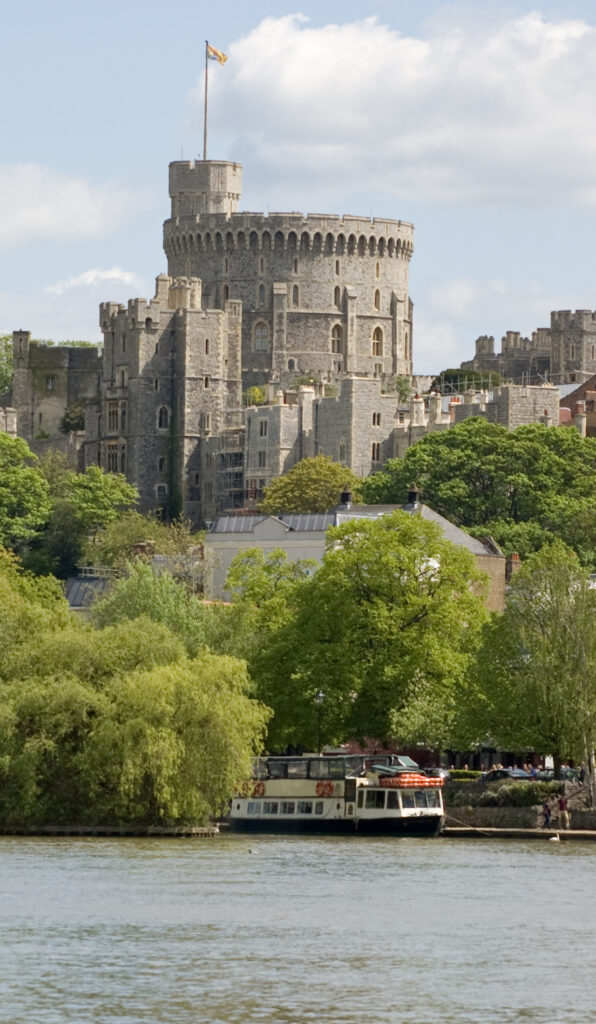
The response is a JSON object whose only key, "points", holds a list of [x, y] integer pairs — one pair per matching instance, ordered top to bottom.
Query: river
{"points": [[297, 931]]}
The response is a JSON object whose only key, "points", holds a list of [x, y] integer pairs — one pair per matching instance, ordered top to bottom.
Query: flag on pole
{"points": [[214, 54]]}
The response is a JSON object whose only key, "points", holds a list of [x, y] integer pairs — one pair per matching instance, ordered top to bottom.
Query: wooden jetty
{"points": [[477, 832]]}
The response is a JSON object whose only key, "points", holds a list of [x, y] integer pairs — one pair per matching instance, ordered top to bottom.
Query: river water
{"points": [[297, 931]]}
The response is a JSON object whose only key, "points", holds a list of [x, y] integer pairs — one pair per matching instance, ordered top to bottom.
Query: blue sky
{"points": [[474, 121]]}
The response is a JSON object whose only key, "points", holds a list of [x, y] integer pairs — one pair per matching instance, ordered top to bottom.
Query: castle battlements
{"points": [[580, 320]]}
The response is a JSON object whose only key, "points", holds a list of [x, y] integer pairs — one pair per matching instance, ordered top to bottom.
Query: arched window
{"points": [[337, 266], [226, 292], [261, 295], [295, 296], [337, 296], [377, 299], [261, 337], [336, 338], [377, 342], [291, 364], [163, 418]]}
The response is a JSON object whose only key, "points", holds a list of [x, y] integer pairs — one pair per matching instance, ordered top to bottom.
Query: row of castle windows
{"points": [[341, 245], [261, 339]]}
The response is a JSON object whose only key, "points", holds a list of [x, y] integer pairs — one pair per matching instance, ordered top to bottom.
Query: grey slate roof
{"points": [[320, 523]]}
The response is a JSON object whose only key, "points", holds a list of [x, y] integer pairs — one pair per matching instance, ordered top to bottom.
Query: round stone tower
{"points": [[320, 294]]}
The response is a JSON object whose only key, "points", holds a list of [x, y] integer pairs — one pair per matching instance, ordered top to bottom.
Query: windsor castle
{"points": [[310, 313]]}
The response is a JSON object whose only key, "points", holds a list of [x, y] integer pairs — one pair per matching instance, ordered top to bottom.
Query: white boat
{"points": [[388, 795]]}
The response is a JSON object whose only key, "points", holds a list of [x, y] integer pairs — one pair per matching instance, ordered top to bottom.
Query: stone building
{"points": [[320, 294], [565, 352]]}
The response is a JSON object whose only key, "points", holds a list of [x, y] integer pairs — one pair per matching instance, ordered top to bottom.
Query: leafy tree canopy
{"points": [[5, 363], [312, 485], [524, 487], [24, 493], [114, 544], [386, 627]]}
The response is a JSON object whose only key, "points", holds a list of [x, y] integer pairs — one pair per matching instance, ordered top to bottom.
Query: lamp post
{"points": [[319, 697]]}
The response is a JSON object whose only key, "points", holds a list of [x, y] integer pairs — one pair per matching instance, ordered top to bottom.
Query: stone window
{"points": [[226, 265], [261, 265], [295, 266], [337, 267], [377, 270], [226, 292], [261, 295], [295, 295], [337, 296], [377, 299], [148, 323], [261, 337], [336, 338], [377, 342], [124, 343], [206, 346], [156, 348], [573, 351], [592, 351], [291, 364], [378, 370], [123, 378], [207, 382], [50, 383], [156, 384], [113, 416], [123, 417], [401, 417], [163, 418], [40, 419], [376, 419], [205, 422], [262, 428], [342, 451], [376, 452], [112, 453], [123, 459], [262, 459], [162, 464], [196, 479], [209, 490], [162, 492]]}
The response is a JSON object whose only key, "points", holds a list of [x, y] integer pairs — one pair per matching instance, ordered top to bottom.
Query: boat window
{"points": [[277, 769], [297, 769], [319, 769], [360, 797], [375, 798], [407, 798], [420, 798], [433, 798], [392, 800], [253, 807], [270, 807], [287, 807], [305, 807], [319, 807]]}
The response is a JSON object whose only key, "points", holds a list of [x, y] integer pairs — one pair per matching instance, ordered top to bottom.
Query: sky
{"points": [[475, 121]]}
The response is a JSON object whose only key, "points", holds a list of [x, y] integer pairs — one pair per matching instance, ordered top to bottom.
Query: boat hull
{"points": [[423, 826]]}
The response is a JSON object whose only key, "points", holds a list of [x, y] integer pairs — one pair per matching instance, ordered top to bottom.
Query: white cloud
{"points": [[473, 112], [38, 203], [97, 276], [69, 310]]}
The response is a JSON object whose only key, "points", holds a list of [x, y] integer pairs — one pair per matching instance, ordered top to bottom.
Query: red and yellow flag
{"points": [[214, 54]]}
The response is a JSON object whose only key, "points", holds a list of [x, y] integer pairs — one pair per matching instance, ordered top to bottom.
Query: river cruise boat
{"points": [[388, 795]]}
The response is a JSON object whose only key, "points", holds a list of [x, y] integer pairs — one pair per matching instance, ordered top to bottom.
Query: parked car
{"points": [[515, 774], [566, 774]]}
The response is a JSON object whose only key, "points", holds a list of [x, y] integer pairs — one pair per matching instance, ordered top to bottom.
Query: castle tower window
{"points": [[226, 265], [261, 265], [295, 266], [337, 267], [377, 270], [226, 292], [261, 295], [295, 295], [337, 296], [377, 299], [148, 324], [261, 337], [336, 338], [377, 342], [124, 343], [206, 346], [156, 348], [573, 351], [592, 351], [291, 364], [378, 370], [122, 378], [207, 382], [50, 383], [156, 384], [112, 416], [123, 417], [163, 418], [39, 419], [376, 419], [205, 422], [262, 428], [342, 451], [376, 452], [112, 453], [123, 459], [262, 459], [163, 464], [162, 492]]}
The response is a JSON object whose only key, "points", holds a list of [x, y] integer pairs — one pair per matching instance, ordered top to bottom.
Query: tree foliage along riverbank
{"points": [[117, 723]]}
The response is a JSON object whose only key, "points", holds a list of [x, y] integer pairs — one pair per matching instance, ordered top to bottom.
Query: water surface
{"points": [[287, 930]]}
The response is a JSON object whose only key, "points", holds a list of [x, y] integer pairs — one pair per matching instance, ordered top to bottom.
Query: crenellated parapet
{"points": [[566, 320]]}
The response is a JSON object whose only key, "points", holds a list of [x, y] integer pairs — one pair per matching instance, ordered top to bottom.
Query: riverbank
{"points": [[134, 831], [553, 835]]}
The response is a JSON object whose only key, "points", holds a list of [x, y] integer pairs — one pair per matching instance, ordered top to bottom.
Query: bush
{"points": [[464, 774], [506, 794]]}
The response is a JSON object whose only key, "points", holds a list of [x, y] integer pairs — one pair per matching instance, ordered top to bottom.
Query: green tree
{"points": [[5, 363], [74, 418], [312, 485], [523, 487], [24, 494], [114, 544], [28, 605], [386, 627], [537, 664]]}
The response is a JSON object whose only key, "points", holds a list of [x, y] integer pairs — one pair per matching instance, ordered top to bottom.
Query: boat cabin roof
{"points": [[331, 767]]}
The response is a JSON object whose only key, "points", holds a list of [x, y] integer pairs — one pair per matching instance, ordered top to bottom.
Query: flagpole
{"points": [[205, 114]]}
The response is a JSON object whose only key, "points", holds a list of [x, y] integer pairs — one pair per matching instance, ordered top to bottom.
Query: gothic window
{"points": [[226, 265], [226, 292], [261, 295], [295, 296], [337, 296], [377, 299], [261, 337], [336, 338], [377, 342], [123, 380], [112, 416], [123, 417], [163, 418], [262, 428], [342, 451], [376, 452], [112, 453], [209, 490]]}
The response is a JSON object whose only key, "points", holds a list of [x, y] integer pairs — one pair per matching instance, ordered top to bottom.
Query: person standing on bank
{"points": [[546, 810], [563, 811]]}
